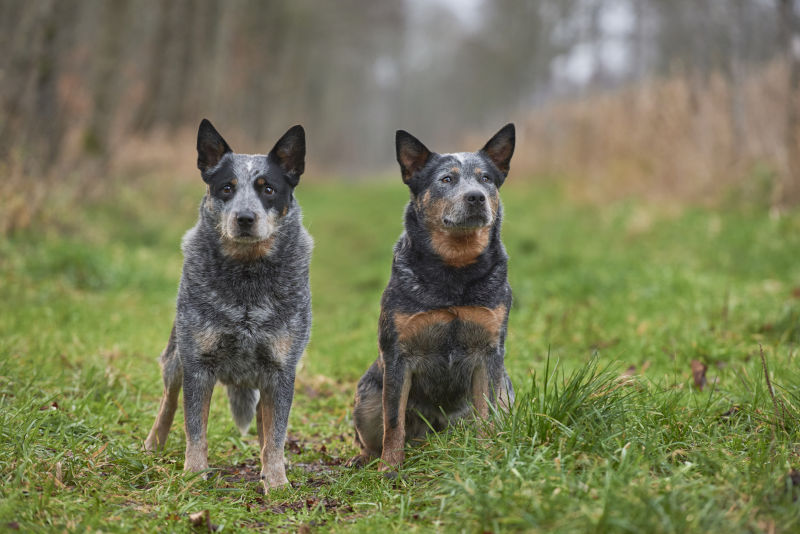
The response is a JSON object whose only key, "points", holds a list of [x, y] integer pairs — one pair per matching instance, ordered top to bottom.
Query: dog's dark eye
{"points": [[485, 179], [447, 180], [227, 189], [268, 190]]}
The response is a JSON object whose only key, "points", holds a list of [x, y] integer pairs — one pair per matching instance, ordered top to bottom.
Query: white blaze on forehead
{"points": [[461, 157]]}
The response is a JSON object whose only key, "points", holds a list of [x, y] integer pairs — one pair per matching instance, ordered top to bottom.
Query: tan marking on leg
{"points": [[459, 248], [480, 391], [503, 398], [260, 426], [157, 437], [394, 438], [197, 452], [273, 471]]}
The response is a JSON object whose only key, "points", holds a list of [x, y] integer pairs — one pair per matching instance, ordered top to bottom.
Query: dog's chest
{"points": [[447, 336], [240, 341]]}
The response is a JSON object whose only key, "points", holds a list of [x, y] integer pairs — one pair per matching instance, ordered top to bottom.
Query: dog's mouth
{"points": [[470, 222], [247, 237]]}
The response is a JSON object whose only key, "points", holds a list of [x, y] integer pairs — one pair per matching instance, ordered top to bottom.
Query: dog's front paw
{"points": [[150, 444], [359, 460], [392, 460], [195, 461], [273, 475], [274, 480]]}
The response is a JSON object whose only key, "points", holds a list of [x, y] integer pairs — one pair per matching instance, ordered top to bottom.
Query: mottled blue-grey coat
{"points": [[244, 304], [444, 313]]}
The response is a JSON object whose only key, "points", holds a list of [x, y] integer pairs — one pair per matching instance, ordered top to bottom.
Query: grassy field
{"points": [[609, 433]]}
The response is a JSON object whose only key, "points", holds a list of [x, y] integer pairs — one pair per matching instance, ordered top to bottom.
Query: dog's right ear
{"points": [[210, 146], [412, 155]]}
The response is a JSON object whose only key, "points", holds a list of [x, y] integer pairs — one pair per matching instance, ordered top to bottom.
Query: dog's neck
{"points": [[459, 249]]}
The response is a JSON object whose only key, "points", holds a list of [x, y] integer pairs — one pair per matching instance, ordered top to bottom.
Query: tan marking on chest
{"points": [[459, 249], [247, 252], [411, 325]]}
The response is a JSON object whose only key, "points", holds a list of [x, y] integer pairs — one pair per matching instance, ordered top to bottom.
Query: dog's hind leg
{"points": [[172, 373], [243, 406], [368, 417], [273, 418]]}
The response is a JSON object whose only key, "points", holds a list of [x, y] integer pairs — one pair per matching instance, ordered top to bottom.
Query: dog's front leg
{"points": [[198, 385], [396, 385], [272, 418]]}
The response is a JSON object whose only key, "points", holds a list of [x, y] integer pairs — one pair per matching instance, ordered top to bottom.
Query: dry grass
{"points": [[678, 139]]}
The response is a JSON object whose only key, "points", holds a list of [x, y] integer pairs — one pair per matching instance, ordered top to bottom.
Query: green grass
{"points": [[87, 306]]}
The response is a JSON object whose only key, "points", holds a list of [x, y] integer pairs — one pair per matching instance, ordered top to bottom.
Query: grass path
{"points": [[612, 304]]}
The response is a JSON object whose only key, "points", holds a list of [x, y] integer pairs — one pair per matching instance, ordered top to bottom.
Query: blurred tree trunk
{"points": [[731, 68], [787, 190]]}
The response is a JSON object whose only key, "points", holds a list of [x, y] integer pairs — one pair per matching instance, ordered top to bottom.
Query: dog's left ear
{"points": [[210, 146], [500, 148], [290, 153]]}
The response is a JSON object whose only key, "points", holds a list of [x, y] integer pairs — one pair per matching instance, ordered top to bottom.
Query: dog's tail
{"points": [[243, 406]]}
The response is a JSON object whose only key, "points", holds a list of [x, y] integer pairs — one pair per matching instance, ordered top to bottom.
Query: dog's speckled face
{"points": [[457, 192], [248, 195]]}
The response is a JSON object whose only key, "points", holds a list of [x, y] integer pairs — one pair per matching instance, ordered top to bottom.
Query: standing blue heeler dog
{"points": [[244, 303], [444, 313]]}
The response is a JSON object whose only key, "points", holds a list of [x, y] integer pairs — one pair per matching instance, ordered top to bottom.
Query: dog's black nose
{"points": [[474, 197], [245, 218]]}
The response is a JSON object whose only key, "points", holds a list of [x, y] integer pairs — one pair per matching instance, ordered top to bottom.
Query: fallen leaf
{"points": [[796, 292], [630, 371], [699, 374], [52, 406], [733, 410], [294, 446], [12, 525]]}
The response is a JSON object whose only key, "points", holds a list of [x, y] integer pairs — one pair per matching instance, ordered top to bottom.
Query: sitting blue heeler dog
{"points": [[244, 302], [444, 313]]}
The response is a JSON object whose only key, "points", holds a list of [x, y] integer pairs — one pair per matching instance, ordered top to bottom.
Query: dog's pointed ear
{"points": [[210, 146], [500, 148], [290, 153], [412, 155]]}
